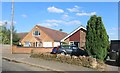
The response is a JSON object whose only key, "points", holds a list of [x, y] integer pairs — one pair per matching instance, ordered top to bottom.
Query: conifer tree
{"points": [[96, 38]]}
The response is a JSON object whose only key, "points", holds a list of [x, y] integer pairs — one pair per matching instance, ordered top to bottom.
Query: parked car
{"points": [[54, 50], [72, 50]]}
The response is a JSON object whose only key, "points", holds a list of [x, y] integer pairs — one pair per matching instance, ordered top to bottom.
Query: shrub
{"points": [[97, 40], [80, 61]]}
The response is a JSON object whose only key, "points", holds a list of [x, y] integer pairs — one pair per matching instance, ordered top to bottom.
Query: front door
{"points": [[36, 44]]}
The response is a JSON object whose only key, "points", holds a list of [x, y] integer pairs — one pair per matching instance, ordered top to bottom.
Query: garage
{"points": [[47, 44]]}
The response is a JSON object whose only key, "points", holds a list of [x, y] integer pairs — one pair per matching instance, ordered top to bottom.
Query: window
{"points": [[36, 33], [71, 43], [74, 43], [27, 44], [74, 47]]}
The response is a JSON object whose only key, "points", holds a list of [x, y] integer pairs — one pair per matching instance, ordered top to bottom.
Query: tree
{"points": [[5, 33], [15, 37], [97, 40]]}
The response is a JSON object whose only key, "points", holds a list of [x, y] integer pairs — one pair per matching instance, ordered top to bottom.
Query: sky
{"points": [[61, 15]]}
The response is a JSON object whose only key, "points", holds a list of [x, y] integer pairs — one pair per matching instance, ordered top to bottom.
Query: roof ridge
{"points": [[51, 29], [54, 34]]}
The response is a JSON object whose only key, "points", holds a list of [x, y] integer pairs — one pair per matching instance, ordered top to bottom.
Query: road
{"points": [[12, 66]]}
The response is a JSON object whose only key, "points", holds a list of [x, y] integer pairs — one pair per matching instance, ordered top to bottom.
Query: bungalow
{"points": [[41, 36], [76, 37]]}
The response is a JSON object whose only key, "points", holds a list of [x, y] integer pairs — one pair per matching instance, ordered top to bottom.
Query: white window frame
{"points": [[37, 33], [71, 42]]}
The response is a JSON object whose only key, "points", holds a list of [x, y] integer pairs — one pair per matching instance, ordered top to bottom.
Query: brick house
{"points": [[21, 35], [41, 36], [77, 37]]}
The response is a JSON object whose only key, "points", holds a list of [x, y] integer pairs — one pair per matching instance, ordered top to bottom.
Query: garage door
{"points": [[47, 44], [56, 44]]}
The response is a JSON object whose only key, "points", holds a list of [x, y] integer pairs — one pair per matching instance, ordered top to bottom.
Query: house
{"points": [[22, 35], [41, 36], [76, 37], [115, 45], [114, 51]]}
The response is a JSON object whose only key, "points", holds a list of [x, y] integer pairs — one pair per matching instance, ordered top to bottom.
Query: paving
{"points": [[11, 66]]}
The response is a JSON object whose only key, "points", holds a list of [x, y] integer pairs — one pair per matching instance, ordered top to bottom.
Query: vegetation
{"points": [[5, 36], [97, 40], [79, 61]]}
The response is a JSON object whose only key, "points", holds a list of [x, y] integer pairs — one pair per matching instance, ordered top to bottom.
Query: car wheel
{"points": [[63, 53]]}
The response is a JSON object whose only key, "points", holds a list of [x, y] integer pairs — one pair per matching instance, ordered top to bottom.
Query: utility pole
{"points": [[12, 22]]}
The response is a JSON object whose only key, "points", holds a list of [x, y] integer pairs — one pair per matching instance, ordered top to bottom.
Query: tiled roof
{"points": [[54, 34], [22, 35]]}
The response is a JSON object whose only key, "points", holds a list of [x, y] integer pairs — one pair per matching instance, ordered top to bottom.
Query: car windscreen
{"points": [[65, 47], [74, 47]]}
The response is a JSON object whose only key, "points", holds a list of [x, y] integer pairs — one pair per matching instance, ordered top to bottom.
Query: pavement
{"points": [[49, 65], [12, 66]]}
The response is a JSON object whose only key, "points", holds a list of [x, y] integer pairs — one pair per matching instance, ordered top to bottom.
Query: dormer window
{"points": [[36, 33]]}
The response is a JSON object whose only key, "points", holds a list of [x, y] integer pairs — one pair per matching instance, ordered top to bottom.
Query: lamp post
{"points": [[12, 22]]}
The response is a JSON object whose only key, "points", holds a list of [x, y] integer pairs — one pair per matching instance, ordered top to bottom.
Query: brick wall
{"points": [[79, 36], [82, 38], [27, 50]]}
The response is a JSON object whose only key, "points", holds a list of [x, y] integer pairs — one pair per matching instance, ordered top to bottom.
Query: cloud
{"points": [[76, 6], [75, 9], [55, 10], [86, 14], [24, 15], [65, 16], [54, 21], [6, 22], [9, 22], [71, 22], [1, 23], [49, 24], [52, 25], [115, 28], [111, 33]]}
